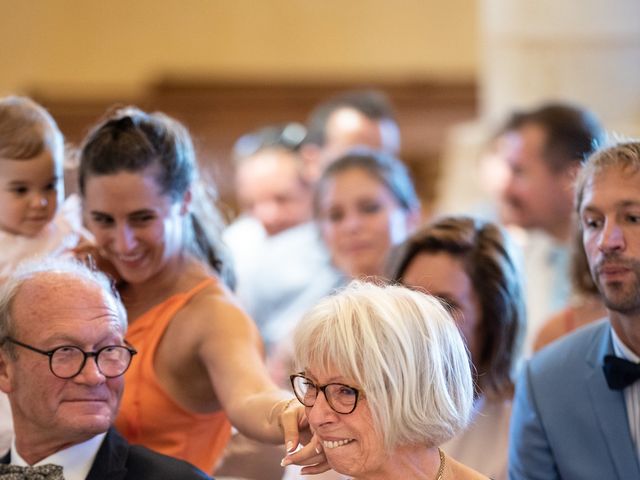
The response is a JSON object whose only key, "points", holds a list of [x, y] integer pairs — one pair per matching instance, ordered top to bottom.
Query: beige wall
{"points": [[92, 47]]}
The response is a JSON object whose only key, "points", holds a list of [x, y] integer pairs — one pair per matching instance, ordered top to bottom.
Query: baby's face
{"points": [[29, 193]]}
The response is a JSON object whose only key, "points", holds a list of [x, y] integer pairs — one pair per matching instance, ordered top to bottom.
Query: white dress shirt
{"points": [[546, 279], [631, 393], [76, 461]]}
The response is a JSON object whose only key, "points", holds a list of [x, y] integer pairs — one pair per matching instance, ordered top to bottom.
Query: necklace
{"points": [[442, 462]]}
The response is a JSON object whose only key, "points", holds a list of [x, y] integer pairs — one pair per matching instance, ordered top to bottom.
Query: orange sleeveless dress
{"points": [[148, 415]]}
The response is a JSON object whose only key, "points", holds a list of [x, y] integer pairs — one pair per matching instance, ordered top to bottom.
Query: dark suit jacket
{"points": [[566, 423], [118, 460]]}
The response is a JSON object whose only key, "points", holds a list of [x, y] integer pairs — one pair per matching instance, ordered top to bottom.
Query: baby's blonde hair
{"points": [[26, 129]]}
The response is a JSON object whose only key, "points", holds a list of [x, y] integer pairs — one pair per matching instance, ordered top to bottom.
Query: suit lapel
{"points": [[610, 409], [110, 461]]}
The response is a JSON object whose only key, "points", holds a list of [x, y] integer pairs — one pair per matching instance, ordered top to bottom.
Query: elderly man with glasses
{"points": [[62, 357]]}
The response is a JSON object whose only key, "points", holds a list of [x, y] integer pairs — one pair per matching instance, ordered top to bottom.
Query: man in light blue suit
{"points": [[576, 411]]}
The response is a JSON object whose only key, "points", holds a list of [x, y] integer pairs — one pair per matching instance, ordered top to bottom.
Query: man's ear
{"points": [[6, 371]]}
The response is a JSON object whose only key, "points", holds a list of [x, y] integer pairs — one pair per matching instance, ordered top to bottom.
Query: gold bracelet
{"points": [[287, 403]]}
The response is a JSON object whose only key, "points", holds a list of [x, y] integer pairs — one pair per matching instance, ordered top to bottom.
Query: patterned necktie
{"points": [[620, 373], [43, 472]]}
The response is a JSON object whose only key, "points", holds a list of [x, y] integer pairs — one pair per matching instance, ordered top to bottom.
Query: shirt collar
{"points": [[621, 350], [75, 460]]}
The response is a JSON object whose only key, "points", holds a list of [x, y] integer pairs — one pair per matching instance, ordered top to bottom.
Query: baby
{"points": [[33, 219]]}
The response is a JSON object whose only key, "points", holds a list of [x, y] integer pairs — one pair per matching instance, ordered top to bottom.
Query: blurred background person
{"points": [[349, 119], [543, 148], [277, 168], [269, 183], [365, 203], [469, 264], [282, 266], [385, 377]]}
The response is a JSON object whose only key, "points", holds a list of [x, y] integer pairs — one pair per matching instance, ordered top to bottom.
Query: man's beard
{"points": [[621, 296]]}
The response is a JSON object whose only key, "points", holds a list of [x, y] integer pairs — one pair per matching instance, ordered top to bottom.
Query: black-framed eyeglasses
{"points": [[67, 361], [340, 397]]}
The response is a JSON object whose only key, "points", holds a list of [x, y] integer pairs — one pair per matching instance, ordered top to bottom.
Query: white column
{"points": [[586, 51]]}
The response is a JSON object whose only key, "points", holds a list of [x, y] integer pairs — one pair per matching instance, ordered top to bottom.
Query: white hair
{"points": [[405, 352]]}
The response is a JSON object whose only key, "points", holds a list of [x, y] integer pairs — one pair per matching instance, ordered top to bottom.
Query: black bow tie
{"points": [[620, 373], [43, 472]]}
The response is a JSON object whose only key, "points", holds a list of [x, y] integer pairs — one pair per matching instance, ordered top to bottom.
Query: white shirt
{"points": [[280, 277], [546, 279], [631, 393], [76, 461]]}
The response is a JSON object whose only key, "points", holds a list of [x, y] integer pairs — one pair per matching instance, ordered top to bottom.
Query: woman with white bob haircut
{"points": [[385, 378]]}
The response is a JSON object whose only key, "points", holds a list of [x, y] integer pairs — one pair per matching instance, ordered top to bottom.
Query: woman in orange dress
{"points": [[200, 357]]}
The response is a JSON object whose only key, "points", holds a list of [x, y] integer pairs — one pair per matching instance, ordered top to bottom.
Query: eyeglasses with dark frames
{"points": [[67, 361], [340, 397]]}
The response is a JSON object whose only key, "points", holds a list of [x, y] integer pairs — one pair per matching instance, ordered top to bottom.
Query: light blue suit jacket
{"points": [[566, 422]]}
